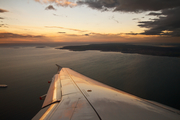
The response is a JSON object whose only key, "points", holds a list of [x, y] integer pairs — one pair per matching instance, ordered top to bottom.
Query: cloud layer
{"points": [[118, 5], [131, 5], [2, 10], [168, 24], [12, 35]]}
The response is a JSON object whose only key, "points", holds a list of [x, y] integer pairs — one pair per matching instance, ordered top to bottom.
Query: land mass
{"points": [[129, 48]]}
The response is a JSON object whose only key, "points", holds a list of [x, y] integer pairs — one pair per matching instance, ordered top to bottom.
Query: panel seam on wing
{"points": [[84, 96]]}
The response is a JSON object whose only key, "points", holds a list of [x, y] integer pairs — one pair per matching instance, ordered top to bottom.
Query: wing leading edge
{"points": [[72, 96]]}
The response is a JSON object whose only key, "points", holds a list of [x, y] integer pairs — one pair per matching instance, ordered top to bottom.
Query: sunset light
{"points": [[42, 21]]}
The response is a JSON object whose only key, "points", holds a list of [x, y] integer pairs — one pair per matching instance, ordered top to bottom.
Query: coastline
{"points": [[128, 48]]}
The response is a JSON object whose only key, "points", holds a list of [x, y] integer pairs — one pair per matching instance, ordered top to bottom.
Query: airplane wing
{"points": [[73, 96]]}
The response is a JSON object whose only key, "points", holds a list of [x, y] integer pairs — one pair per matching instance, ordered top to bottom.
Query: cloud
{"points": [[63, 3], [118, 5], [130, 5], [50, 7], [2, 10], [155, 14], [55, 15], [60, 15], [1, 18], [112, 18], [135, 19], [3, 25], [168, 25], [67, 28], [61, 32], [132, 33], [86, 34], [12, 35]]}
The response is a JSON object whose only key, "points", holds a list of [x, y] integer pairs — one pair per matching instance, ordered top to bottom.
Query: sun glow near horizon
{"points": [[50, 21]]}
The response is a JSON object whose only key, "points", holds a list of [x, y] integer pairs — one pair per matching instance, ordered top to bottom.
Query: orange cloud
{"points": [[63, 3], [67, 28], [12, 35], [23, 38]]}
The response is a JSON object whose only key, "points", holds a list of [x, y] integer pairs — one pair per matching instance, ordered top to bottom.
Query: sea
{"points": [[27, 70]]}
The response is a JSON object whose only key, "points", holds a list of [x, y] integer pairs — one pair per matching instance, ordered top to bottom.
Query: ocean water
{"points": [[26, 71]]}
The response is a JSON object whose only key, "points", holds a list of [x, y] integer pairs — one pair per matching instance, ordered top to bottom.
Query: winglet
{"points": [[59, 67]]}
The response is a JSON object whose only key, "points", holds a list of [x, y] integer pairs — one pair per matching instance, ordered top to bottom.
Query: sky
{"points": [[51, 21]]}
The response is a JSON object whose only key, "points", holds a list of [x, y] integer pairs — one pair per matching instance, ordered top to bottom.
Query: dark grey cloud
{"points": [[130, 5], [50, 7], [2, 10], [135, 19], [168, 24], [132, 33], [86, 34], [12, 35]]}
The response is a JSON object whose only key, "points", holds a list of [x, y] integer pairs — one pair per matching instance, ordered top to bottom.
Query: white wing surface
{"points": [[72, 96]]}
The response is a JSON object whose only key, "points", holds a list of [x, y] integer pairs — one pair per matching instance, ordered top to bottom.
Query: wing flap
{"points": [[54, 93], [74, 107], [45, 113]]}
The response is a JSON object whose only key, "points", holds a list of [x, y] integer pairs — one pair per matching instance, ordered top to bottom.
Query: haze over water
{"points": [[26, 71]]}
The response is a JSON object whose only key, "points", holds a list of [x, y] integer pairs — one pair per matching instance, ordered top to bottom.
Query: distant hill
{"points": [[128, 48]]}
